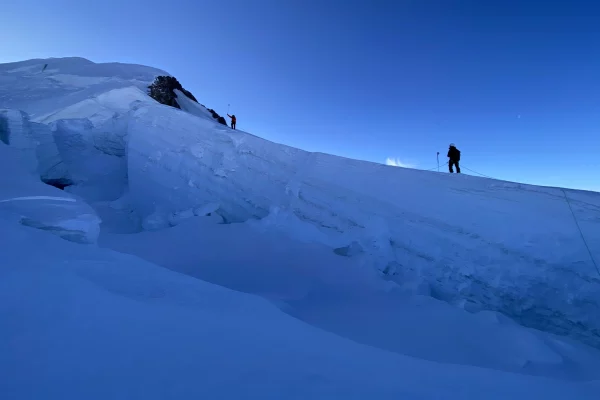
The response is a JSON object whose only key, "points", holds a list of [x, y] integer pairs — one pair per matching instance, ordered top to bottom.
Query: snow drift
{"points": [[85, 322]]}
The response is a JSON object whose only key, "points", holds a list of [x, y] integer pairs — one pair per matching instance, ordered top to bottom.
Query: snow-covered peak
{"points": [[76, 66], [43, 87]]}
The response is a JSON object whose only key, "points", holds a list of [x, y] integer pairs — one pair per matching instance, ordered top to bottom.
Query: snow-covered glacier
{"points": [[477, 242], [483, 243], [387, 262], [87, 322]]}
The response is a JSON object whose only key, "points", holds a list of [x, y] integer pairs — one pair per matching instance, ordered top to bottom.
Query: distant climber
{"points": [[233, 120], [454, 156]]}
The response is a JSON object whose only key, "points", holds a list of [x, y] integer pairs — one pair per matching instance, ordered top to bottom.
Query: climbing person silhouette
{"points": [[233, 120], [454, 156]]}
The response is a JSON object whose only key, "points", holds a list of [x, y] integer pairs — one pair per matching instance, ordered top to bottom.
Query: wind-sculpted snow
{"points": [[58, 88], [99, 109], [35, 143], [94, 156], [27, 201], [476, 242], [337, 278], [309, 282], [89, 323]]}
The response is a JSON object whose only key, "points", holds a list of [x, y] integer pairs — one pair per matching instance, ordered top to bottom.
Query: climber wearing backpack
{"points": [[233, 120], [454, 156]]}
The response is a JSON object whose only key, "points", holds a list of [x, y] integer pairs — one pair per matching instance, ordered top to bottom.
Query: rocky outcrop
{"points": [[163, 91], [216, 116]]}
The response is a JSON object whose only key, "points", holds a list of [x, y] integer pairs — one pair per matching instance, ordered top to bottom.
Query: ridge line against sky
{"points": [[513, 84]]}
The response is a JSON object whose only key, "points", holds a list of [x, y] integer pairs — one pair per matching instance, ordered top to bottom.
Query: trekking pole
{"points": [[228, 108], [438, 160]]}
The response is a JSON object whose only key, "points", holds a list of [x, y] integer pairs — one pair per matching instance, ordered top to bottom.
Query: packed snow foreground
{"points": [[187, 260]]}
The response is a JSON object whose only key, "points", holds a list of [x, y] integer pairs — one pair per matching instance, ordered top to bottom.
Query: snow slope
{"points": [[68, 85], [495, 245], [336, 278], [334, 293], [83, 322]]}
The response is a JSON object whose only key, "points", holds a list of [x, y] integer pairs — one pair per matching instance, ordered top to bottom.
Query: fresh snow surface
{"points": [[227, 266]]}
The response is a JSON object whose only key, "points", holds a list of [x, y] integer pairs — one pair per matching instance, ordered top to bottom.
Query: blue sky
{"points": [[515, 84]]}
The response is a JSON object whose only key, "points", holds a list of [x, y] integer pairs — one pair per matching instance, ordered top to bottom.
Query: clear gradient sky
{"points": [[515, 84]]}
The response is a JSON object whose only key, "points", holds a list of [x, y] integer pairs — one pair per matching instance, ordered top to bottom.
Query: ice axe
{"points": [[438, 160]]}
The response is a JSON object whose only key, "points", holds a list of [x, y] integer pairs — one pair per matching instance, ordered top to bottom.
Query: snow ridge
{"points": [[528, 261], [386, 262]]}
